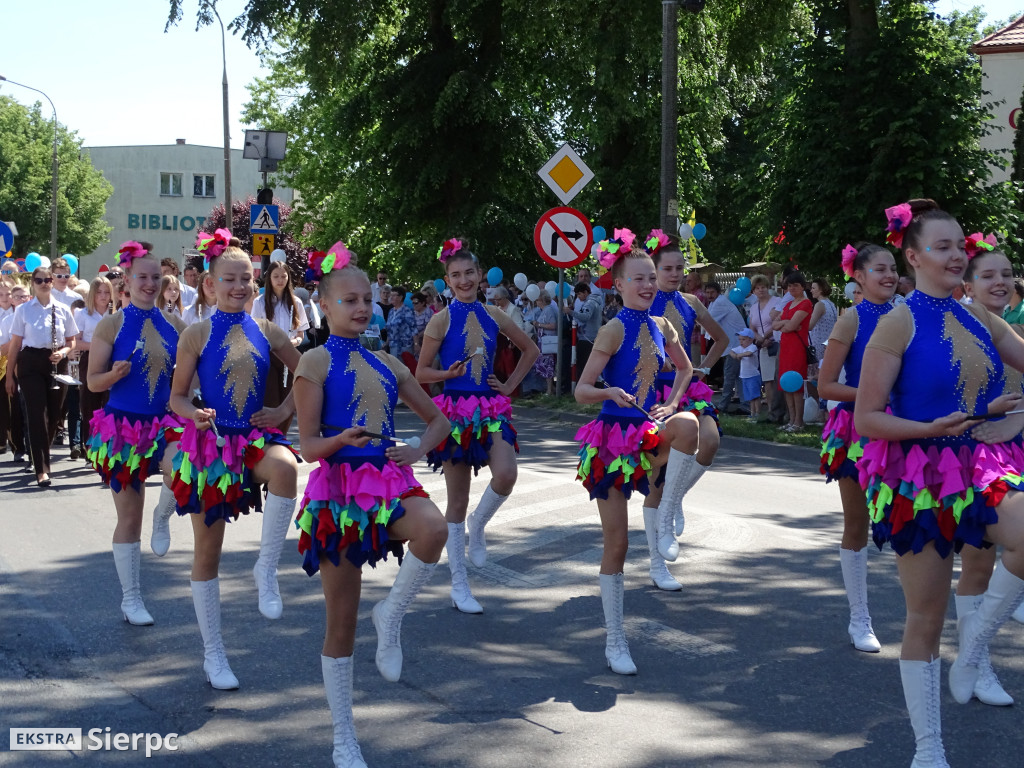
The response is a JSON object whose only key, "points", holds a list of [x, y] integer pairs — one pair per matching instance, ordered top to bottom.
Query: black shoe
{"points": [[60, 436], [76, 453]]}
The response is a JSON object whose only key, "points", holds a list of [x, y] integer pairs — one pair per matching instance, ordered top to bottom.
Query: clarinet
{"points": [[53, 339]]}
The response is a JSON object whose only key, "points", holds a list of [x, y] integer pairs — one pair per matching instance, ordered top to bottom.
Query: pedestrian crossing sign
{"points": [[263, 219]]}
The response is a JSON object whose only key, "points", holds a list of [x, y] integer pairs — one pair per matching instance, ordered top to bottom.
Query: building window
{"points": [[170, 184], [202, 186]]}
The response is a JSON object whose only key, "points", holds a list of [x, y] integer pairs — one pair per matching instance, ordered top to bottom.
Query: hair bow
{"points": [[898, 218], [655, 241], [978, 242], [212, 246], [448, 248], [610, 251], [128, 252], [849, 255], [321, 264]]}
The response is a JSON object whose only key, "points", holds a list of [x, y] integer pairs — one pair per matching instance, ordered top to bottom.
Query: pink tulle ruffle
{"points": [[364, 485]]}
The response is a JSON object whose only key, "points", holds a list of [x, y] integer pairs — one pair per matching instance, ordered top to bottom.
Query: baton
{"points": [[140, 344], [479, 351], [635, 404], [988, 416], [220, 440], [412, 442]]}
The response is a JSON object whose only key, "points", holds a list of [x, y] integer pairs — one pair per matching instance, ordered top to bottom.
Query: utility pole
{"points": [[227, 126]]}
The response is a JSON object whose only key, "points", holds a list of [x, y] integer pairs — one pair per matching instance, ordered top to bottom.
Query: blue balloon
{"points": [[699, 230], [599, 233], [72, 261], [33, 262], [494, 275], [439, 285], [744, 285], [566, 290], [736, 296], [408, 300], [791, 381]]}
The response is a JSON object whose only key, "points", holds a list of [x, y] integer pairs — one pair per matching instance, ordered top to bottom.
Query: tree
{"points": [[26, 152], [286, 241]]}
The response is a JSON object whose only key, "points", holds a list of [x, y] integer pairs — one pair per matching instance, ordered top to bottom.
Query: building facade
{"points": [[1002, 68], [164, 193]]}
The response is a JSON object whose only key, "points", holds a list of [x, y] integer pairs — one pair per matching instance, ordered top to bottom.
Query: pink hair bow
{"points": [[898, 218], [656, 240], [978, 242], [213, 245], [448, 248], [610, 251], [128, 252], [849, 254]]}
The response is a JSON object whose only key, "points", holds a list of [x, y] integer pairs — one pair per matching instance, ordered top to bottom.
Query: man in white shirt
{"points": [[61, 273], [189, 284], [377, 288], [725, 313]]}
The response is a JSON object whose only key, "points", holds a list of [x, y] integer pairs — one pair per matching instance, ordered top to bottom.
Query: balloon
{"points": [[685, 230], [699, 230], [599, 233], [595, 249], [277, 255], [33, 261], [44, 261], [72, 261], [494, 275], [521, 281], [440, 285], [744, 285], [551, 286], [566, 290], [849, 290], [532, 292], [736, 296], [408, 300], [791, 381]]}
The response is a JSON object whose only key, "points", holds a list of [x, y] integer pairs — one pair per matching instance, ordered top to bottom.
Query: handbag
{"points": [[549, 345], [773, 348], [810, 352]]}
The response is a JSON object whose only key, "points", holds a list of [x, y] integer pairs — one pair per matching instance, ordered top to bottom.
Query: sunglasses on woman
{"points": [[114, 275], [42, 280]]}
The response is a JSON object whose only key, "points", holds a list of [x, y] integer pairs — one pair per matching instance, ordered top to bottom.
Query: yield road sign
{"points": [[565, 173], [263, 219], [563, 237], [6, 238]]}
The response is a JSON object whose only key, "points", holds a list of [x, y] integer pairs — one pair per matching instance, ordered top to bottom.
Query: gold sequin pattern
{"points": [[476, 337], [154, 356], [647, 364], [239, 367], [975, 367], [369, 395]]}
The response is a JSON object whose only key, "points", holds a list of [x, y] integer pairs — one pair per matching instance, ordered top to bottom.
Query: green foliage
{"points": [[26, 154]]}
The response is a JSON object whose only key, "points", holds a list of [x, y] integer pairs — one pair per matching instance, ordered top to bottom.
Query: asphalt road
{"points": [[748, 666]]}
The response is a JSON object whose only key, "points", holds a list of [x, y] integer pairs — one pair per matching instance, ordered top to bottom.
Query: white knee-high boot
{"points": [[677, 471], [695, 474], [490, 502], [277, 516], [160, 541], [128, 562], [854, 564], [659, 571], [1005, 592], [462, 598], [206, 599], [388, 613], [616, 650], [338, 684], [921, 689], [988, 689]]}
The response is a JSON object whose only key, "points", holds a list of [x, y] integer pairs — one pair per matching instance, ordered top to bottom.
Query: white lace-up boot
{"points": [[677, 472], [490, 502], [277, 516], [160, 541], [128, 562], [659, 571], [855, 577], [206, 598], [462, 598], [388, 613], [616, 651], [338, 684], [921, 689], [988, 689]]}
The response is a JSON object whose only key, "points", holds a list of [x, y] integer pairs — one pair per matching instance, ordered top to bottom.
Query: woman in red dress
{"points": [[794, 323]]}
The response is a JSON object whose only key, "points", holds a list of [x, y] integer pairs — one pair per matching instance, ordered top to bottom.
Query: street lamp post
{"points": [[669, 115], [227, 128], [53, 171]]}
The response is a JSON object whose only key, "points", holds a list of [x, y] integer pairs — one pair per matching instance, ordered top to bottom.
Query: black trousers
{"points": [[42, 403], [10, 419]]}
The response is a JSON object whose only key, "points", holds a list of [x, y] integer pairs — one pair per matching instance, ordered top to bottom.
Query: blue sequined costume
{"points": [[683, 318], [129, 435]]}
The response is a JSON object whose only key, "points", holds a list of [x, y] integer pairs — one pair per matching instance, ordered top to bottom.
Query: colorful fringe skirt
{"points": [[696, 400], [475, 421], [841, 446], [126, 448], [615, 452], [219, 479], [919, 492], [347, 508]]}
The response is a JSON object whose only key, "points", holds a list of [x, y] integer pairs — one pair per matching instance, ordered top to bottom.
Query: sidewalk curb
{"points": [[748, 444]]}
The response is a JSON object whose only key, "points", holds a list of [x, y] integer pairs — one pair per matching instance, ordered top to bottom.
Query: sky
{"points": [[117, 79]]}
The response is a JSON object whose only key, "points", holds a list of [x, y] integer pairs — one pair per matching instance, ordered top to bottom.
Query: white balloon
{"points": [[685, 230], [595, 249], [277, 255], [44, 261], [520, 280], [551, 287], [850, 288], [532, 292]]}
